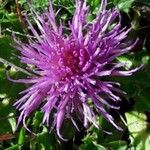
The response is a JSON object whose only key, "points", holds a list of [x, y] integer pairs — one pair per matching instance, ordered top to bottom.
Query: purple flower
{"points": [[70, 67]]}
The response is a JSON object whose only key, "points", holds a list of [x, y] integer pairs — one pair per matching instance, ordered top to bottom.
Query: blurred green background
{"points": [[134, 108]]}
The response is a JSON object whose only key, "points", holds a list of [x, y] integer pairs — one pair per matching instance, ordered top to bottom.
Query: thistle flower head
{"points": [[70, 66]]}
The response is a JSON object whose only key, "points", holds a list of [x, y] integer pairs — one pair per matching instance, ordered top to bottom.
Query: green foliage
{"points": [[123, 5], [139, 130], [136, 131]]}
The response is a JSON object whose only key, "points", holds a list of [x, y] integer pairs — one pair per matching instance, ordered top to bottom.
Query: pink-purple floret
{"points": [[70, 67]]}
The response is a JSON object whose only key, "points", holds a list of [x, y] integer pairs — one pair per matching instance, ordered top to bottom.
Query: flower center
{"points": [[68, 61]]}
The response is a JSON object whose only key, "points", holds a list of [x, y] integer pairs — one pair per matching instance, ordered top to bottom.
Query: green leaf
{"points": [[40, 4], [123, 5], [10, 20], [6, 49], [37, 119], [12, 121], [7, 124], [139, 130], [21, 137], [104, 138], [46, 140], [91, 144], [118, 145], [14, 147]]}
